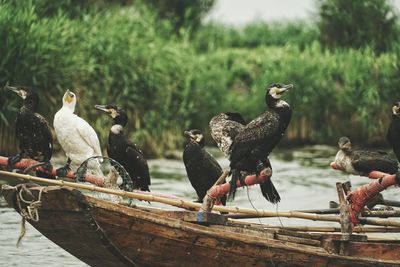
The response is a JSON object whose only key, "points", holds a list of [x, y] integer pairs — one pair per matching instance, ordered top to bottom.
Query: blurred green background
{"points": [[172, 71]]}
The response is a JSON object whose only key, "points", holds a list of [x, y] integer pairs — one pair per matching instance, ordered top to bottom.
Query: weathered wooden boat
{"points": [[101, 233]]}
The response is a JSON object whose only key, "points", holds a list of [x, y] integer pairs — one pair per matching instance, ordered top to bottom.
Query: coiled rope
{"points": [[31, 212]]}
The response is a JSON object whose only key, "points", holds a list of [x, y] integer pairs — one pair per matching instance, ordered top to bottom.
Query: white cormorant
{"points": [[32, 130], [393, 133], [77, 138], [252, 145], [123, 151], [362, 162], [201, 168]]}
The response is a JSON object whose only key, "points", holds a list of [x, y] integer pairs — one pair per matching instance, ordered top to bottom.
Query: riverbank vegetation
{"points": [[170, 78]]}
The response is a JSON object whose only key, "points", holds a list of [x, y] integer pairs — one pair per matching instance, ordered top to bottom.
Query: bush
{"points": [[358, 24], [213, 36], [120, 55]]}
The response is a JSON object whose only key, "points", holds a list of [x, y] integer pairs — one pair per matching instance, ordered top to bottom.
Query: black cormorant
{"points": [[224, 128], [32, 130], [393, 133], [252, 145], [123, 151], [362, 162], [201, 168]]}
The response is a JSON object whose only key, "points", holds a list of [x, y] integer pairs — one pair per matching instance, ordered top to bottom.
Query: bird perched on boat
{"points": [[224, 128], [32, 130], [393, 133], [77, 138], [252, 145], [123, 151], [362, 162], [201, 168]]}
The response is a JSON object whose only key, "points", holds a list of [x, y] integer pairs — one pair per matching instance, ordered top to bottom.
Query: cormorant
{"points": [[224, 128], [32, 130], [393, 133], [77, 138], [252, 145], [123, 151], [362, 162], [201, 168]]}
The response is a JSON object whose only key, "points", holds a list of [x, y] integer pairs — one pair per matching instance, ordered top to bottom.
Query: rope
{"points": [[31, 212], [262, 225]]}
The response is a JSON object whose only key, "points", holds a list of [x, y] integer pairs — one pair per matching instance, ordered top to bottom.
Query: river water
{"points": [[302, 177]]}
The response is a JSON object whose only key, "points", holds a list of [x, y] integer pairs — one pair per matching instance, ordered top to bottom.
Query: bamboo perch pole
{"points": [[26, 163], [371, 175], [221, 190], [208, 201], [173, 202], [187, 204], [365, 213], [356, 229]]}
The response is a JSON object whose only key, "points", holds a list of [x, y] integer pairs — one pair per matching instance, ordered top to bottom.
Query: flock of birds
{"points": [[246, 145]]}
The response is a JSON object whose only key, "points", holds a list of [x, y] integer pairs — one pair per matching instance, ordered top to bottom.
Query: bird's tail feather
{"points": [[235, 177], [269, 191]]}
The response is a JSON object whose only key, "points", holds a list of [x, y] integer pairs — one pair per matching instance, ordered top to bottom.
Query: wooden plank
{"points": [[299, 240], [374, 250]]}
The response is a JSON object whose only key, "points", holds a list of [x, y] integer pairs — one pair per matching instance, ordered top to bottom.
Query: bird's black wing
{"points": [[224, 128], [259, 133], [34, 135], [47, 136], [393, 136], [366, 161], [137, 166], [196, 168], [214, 171]]}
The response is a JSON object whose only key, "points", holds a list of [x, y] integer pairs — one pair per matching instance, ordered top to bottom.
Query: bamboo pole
{"points": [[26, 163], [208, 201], [173, 202], [187, 204], [365, 213], [356, 229]]}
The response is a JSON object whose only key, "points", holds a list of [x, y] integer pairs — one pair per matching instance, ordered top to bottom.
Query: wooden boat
{"points": [[101, 233]]}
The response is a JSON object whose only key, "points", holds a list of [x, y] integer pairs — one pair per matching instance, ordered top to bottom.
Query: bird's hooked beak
{"points": [[283, 89], [19, 92], [68, 96], [103, 108], [112, 112], [189, 134]]}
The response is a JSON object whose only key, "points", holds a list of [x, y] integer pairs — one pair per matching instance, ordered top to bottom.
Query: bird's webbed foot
{"points": [[13, 160], [47, 167], [259, 167], [46, 171], [62, 172]]}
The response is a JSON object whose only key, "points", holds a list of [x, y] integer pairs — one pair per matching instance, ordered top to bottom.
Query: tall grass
{"points": [[214, 36], [124, 55]]}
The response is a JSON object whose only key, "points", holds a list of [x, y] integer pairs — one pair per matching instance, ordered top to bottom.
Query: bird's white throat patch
{"points": [[281, 104], [116, 129]]}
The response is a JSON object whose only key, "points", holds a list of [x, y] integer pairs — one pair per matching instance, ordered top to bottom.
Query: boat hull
{"points": [[101, 233]]}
